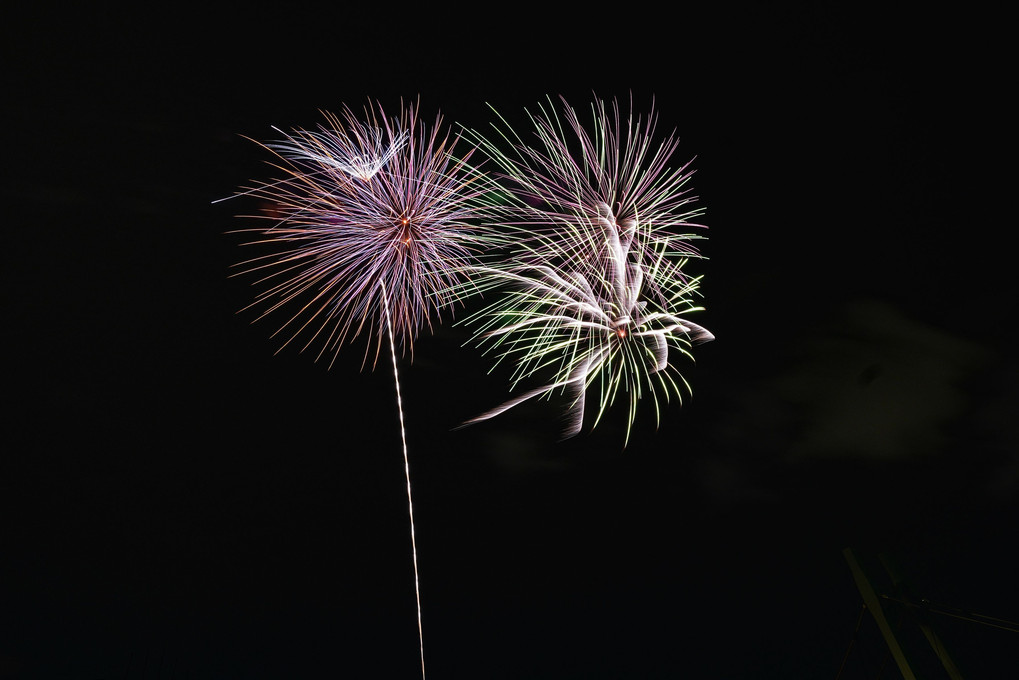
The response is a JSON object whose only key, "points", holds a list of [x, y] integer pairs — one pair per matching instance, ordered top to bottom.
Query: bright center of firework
{"points": [[405, 231], [621, 332]]}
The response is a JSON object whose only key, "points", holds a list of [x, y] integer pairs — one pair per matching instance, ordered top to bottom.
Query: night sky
{"points": [[179, 500]]}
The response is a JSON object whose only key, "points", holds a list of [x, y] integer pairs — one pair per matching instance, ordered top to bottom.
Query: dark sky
{"points": [[177, 501]]}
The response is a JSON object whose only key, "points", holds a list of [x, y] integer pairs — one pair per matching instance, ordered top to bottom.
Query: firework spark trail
{"points": [[361, 154], [371, 232], [597, 292], [410, 499]]}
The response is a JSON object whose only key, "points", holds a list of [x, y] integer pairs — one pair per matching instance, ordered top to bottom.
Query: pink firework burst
{"points": [[369, 226], [369, 233]]}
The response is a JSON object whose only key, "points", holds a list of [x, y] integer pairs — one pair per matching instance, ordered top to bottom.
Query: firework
{"points": [[619, 172], [369, 227], [369, 232], [597, 293]]}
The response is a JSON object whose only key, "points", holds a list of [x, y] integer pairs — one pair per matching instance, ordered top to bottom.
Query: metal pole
{"points": [[873, 603], [921, 621]]}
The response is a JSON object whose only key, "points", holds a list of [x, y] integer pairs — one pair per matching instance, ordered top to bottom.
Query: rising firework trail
{"points": [[368, 228]]}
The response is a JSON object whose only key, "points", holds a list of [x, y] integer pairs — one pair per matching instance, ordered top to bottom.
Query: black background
{"points": [[179, 501]]}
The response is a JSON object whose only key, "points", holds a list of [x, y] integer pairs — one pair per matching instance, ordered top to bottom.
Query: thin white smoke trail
{"points": [[406, 467]]}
